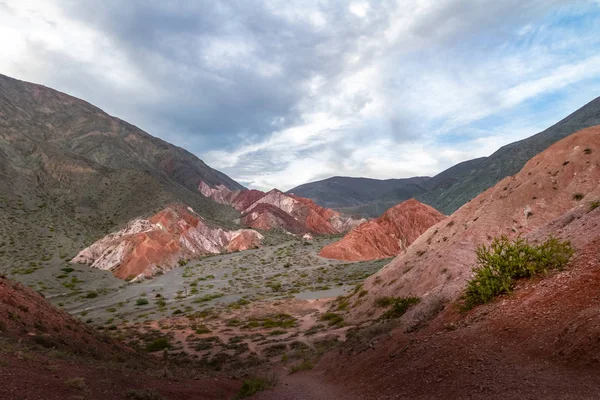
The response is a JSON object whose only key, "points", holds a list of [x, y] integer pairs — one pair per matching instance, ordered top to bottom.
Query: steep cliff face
{"points": [[278, 210], [386, 236], [147, 247], [439, 262]]}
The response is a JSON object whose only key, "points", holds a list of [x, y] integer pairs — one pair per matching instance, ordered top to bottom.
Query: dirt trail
{"points": [[305, 386]]}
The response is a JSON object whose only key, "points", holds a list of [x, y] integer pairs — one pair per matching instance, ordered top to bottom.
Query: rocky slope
{"points": [[278, 210], [386, 236], [144, 248], [439, 262], [541, 341], [48, 354]]}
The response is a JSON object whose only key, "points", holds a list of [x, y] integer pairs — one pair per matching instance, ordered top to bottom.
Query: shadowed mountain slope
{"points": [[70, 173], [341, 191]]}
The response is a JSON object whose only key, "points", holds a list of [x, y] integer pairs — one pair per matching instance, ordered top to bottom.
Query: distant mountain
{"points": [[69, 173], [475, 178], [450, 189], [340, 191], [386, 236]]}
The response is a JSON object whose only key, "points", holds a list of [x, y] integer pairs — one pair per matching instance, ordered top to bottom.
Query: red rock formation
{"points": [[267, 216], [308, 216], [385, 236], [145, 247], [440, 261]]}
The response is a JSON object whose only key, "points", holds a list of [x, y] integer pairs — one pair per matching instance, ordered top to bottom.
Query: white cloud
{"points": [[364, 88]]}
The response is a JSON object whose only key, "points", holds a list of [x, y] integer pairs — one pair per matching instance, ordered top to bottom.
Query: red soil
{"points": [[385, 236], [543, 341], [41, 348]]}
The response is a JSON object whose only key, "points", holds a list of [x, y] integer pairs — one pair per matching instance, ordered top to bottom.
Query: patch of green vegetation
{"points": [[578, 196], [594, 205], [505, 261], [207, 297], [141, 302], [399, 306], [333, 319], [158, 344], [305, 365], [256, 384]]}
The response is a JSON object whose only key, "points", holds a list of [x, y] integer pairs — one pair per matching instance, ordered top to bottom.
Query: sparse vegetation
{"points": [[578, 196], [504, 261], [399, 306], [304, 365], [256, 384]]}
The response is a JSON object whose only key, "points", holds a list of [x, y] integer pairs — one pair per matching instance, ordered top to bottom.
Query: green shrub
{"points": [[578, 196], [594, 205], [504, 261], [141, 302], [399, 306], [332, 318], [158, 344], [305, 365], [256, 384]]}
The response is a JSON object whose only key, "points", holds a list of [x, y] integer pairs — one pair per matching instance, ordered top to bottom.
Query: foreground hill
{"points": [[341, 191], [385, 236], [437, 265], [542, 341], [47, 354]]}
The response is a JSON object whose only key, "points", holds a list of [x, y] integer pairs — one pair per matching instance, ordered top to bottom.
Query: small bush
{"points": [[587, 150], [578, 196], [594, 205], [504, 261], [141, 302], [400, 306], [332, 318], [158, 344], [305, 365], [256, 384]]}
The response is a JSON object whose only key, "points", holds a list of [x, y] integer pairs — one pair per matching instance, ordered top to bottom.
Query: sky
{"points": [[276, 93]]}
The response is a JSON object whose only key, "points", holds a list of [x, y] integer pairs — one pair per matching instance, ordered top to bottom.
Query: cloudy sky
{"points": [[276, 93]]}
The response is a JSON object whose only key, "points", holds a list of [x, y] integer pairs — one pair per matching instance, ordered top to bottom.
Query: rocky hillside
{"points": [[70, 173], [340, 191], [278, 210], [176, 234], [386, 236], [437, 265], [48, 354]]}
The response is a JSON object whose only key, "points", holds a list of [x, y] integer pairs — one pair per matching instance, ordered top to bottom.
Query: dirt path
{"points": [[305, 386]]}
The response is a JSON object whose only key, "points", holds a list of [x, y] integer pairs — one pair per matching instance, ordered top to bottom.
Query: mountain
{"points": [[70, 173], [481, 174], [340, 191], [278, 210], [385, 236], [145, 248], [437, 265]]}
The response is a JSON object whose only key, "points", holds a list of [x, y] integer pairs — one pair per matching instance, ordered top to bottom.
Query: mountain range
{"points": [[450, 189]]}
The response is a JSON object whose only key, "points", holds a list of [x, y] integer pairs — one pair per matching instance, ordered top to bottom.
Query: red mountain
{"points": [[385, 236]]}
